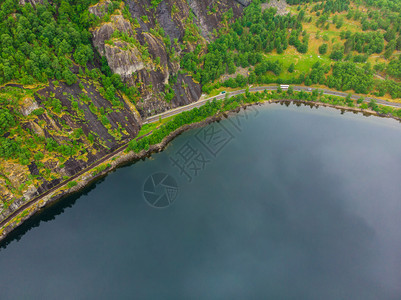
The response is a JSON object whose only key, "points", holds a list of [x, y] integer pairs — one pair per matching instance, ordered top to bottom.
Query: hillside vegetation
{"points": [[343, 45]]}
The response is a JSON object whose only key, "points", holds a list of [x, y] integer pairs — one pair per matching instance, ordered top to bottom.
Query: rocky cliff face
{"points": [[244, 2], [209, 21], [146, 49], [79, 117]]}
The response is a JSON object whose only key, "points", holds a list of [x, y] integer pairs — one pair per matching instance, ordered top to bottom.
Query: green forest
{"points": [[249, 40], [37, 47]]}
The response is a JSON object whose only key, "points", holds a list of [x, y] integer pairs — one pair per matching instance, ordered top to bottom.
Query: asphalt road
{"points": [[199, 103]]}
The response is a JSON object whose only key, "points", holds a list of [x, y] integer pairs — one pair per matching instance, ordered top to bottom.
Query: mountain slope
{"points": [[78, 77]]}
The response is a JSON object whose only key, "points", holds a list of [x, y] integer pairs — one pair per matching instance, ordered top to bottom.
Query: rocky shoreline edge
{"points": [[121, 159]]}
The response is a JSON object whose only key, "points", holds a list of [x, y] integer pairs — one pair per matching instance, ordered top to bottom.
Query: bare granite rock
{"points": [[244, 2], [280, 5], [100, 8], [105, 31], [100, 35], [123, 59], [152, 71], [29, 106]]}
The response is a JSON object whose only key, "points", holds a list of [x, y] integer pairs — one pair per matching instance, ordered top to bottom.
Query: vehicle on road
{"points": [[284, 86], [223, 92]]}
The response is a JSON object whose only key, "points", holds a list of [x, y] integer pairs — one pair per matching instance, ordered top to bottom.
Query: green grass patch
{"points": [[302, 64]]}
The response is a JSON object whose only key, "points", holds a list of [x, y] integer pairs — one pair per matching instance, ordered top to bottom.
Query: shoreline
{"points": [[122, 158]]}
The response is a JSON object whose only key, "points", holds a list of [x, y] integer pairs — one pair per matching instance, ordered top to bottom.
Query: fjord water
{"points": [[298, 203]]}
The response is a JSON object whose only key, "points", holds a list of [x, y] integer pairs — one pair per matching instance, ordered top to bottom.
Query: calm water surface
{"points": [[292, 203]]}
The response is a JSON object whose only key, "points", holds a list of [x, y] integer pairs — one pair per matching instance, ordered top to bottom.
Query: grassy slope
{"points": [[317, 37]]}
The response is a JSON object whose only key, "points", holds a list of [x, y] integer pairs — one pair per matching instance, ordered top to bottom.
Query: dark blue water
{"points": [[292, 203]]}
